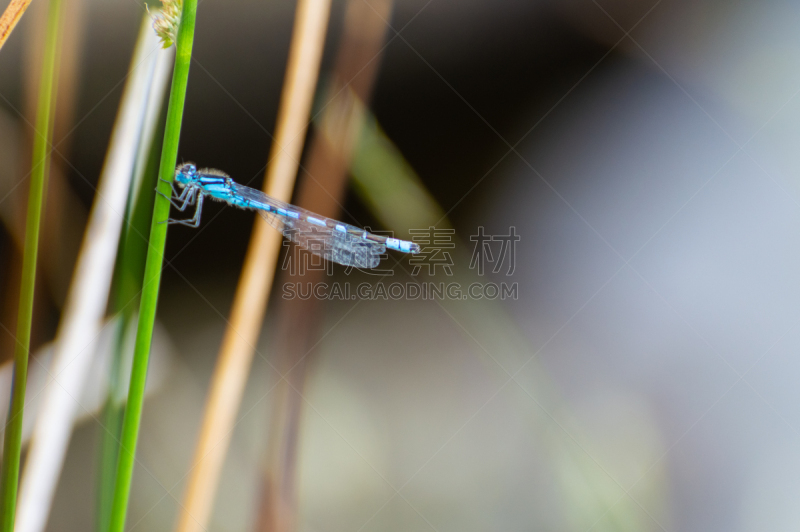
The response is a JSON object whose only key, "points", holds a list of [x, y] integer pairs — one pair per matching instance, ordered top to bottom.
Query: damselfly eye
{"points": [[187, 169], [185, 172]]}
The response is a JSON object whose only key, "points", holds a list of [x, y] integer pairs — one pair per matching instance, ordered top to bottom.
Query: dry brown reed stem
{"points": [[10, 17], [321, 190], [241, 335]]}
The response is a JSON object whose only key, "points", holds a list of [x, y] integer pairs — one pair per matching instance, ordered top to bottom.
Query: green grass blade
{"points": [[41, 143], [388, 185], [152, 273]]}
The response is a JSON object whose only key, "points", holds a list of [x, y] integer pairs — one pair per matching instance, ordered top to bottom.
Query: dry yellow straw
{"points": [[10, 17], [236, 354]]}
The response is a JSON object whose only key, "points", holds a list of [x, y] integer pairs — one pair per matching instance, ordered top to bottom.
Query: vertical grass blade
{"points": [[153, 265], [88, 296], [13, 431]]}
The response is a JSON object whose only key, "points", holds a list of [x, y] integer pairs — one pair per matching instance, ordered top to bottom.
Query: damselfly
{"points": [[335, 241]]}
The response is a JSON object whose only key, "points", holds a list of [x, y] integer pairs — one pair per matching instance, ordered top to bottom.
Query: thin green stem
{"points": [[41, 143], [152, 271]]}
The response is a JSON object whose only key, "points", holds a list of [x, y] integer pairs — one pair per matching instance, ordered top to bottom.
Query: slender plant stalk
{"points": [[10, 17], [387, 184], [152, 271], [252, 293], [13, 432]]}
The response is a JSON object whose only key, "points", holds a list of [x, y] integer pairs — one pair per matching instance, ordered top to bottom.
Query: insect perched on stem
{"points": [[335, 241]]}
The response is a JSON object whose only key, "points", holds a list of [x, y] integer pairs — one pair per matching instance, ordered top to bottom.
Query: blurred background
{"points": [[645, 378]]}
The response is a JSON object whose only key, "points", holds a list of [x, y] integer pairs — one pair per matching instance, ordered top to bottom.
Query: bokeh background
{"points": [[646, 376]]}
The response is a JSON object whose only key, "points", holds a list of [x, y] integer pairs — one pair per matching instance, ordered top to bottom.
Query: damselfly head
{"points": [[185, 173]]}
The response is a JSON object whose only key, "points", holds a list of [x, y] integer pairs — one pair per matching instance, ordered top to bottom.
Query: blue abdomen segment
{"points": [[402, 245]]}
